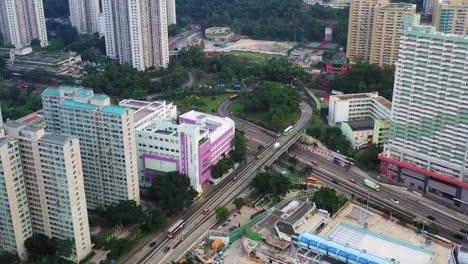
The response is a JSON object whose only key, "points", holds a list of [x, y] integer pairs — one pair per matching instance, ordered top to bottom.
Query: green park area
{"points": [[202, 103], [271, 105]]}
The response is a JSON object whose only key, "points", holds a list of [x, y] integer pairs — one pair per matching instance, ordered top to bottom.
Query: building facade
{"points": [[428, 7], [171, 12], [84, 15], [451, 16], [21, 21], [388, 21], [360, 28], [136, 32], [364, 118], [107, 142], [190, 146], [427, 147], [54, 185], [15, 220]]}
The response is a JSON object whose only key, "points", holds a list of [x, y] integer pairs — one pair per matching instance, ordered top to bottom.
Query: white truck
{"points": [[276, 145], [372, 185]]}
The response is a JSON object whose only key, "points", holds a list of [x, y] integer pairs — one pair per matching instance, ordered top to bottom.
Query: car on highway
{"points": [[314, 162], [236, 178], [353, 181], [335, 182], [395, 201], [206, 211], [430, 217], [464, 231], [152, 244], [167, 249]]}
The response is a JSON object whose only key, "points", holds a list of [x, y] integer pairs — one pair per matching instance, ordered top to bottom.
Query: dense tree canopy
{"points": [[267, 19], [363, 78], [16, 102], [332, 137], [240, 147], [367, 159], [221, 168], [271, 182], [172, 192], [327, 198], [126, 213], [222, 214], [40, 246], [10, 258]]}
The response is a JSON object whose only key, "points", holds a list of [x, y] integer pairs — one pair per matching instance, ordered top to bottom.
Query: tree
{"points": [[173, 30], [240, 147], [368, 159], [293, 160], [221, 168], [307, 170], [271, 182], [172, 192], [326, 198], [239, 202], [125, 213], [222, 214], [155, 218], [39, 245], [64, 248], [10, 258]]}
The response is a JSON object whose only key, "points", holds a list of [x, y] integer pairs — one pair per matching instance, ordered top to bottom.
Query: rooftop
{"points": [[51, 91], [354, 96], [100, 97], [386, 103], [73, 104], [118, 110], [361, 125], [55, 138], [285, 228]]}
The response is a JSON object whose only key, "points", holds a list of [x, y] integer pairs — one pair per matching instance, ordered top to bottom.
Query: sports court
{"points": [[379, 245]]}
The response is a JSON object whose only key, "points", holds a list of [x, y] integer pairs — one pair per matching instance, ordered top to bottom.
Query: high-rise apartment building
{"points": [[428, 7], [171, 12], [84, 15], [451, 16], [22, 21], [388, 21], [360, 28], [374, 30], [136, 32], [107, 142], [428, 143], [54, 185], [15, 218]]}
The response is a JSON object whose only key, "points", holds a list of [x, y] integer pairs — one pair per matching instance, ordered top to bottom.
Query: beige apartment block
{"points": [[386, 34]]}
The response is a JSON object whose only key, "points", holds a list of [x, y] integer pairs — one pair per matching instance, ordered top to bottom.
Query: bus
{"points": [[288, 130], [342, 163], [312, 180], [175, 227]]}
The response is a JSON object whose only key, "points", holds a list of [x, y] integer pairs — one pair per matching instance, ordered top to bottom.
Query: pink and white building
{"points": [[190, 146]]}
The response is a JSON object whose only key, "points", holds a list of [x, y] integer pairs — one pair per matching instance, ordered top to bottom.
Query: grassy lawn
{"points": [[253, 55], [206, 104], [263, 118]]}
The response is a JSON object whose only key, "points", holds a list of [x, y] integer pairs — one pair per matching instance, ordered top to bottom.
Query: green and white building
{"points": [[364, 118], [428, 141], [107, 142], [41, 189], [15, 218]]}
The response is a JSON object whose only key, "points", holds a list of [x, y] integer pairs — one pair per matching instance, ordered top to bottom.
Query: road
{"points": [[179, 41], [256, 135], [407, 204], [196, 223]]}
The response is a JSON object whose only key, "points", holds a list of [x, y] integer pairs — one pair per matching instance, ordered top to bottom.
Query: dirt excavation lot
{"points": [[253, 45]]}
